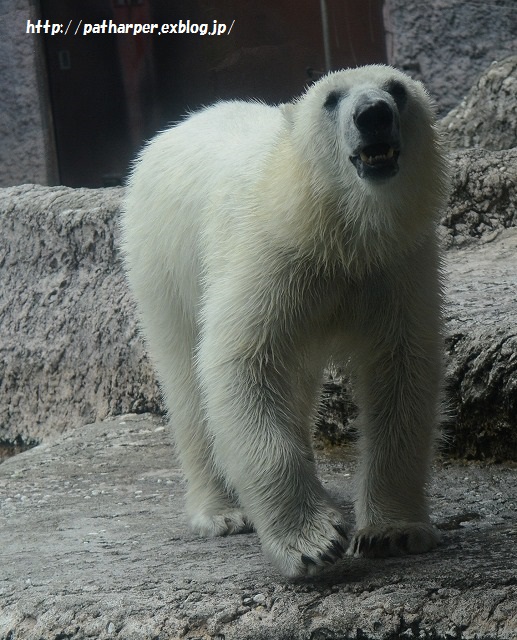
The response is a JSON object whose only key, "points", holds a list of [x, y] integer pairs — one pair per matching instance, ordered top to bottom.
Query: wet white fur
{"points": [[256, 255]]}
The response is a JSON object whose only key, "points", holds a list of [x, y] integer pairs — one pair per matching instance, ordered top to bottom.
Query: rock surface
{"points": [[448, 45], [487, 115], [24, 153], [483, 199], [481, 308], [481, 350], [70, 352], [95, 546]]}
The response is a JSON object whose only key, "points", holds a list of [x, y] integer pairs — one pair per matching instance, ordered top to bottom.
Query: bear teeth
{"points": [[382, 157]]}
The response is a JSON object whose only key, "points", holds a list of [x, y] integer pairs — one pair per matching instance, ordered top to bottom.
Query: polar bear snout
{"points": [[374, 117], [376, 153]]}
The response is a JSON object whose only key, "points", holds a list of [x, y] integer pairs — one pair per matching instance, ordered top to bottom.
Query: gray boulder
{"points": [[487, 115], [483, 201], [481, 342], [70, 352]]}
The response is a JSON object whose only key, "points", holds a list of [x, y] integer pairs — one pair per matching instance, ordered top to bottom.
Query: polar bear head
{"points": [[372, 124]]}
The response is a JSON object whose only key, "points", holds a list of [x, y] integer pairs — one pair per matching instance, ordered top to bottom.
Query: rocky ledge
{"points": [[95, 546]]}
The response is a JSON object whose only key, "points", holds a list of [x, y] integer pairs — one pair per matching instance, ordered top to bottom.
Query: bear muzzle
{"points": [[377, 127]]}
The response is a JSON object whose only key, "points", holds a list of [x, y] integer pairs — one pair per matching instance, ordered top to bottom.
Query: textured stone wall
{"points": [[447, 44], [22, 144], [70, 352]]}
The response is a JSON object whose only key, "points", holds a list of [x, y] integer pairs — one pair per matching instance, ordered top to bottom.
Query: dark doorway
{"points": [[111, 92], [101, 112]]}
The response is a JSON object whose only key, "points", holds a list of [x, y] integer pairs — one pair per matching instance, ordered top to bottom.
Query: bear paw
{"points": [[221, 524], [393, 540], [321, 542]]}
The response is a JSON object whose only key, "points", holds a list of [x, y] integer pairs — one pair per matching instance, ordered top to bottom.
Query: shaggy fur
{"points": [[260, 242]]}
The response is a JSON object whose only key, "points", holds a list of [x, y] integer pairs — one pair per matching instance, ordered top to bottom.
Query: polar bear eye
{"points": [[398, 93], [332, 100]]}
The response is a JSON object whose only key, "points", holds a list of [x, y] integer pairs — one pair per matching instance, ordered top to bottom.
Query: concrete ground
{"points": [[95, 544]]}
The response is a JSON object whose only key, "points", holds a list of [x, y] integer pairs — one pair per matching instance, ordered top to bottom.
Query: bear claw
{"points": [[341, 530], [394, 540], [307, 561]]}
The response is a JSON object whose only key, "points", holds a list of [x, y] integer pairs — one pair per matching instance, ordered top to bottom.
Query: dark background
{"points": [[109, 93]]}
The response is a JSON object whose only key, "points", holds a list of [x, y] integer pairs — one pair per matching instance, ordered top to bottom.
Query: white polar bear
{"points": [[262, 241]]}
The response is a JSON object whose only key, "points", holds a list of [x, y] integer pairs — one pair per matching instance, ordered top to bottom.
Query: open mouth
{"points": [[378, 160]]}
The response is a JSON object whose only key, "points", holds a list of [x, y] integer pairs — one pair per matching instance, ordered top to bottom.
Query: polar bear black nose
{"points": [[373, 116]]}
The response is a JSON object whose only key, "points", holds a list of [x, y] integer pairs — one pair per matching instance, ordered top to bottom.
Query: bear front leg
{"points": [[398, 390], [259, 422]]}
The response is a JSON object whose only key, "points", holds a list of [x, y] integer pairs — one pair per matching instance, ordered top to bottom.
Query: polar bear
{"points": [[262, 242]]}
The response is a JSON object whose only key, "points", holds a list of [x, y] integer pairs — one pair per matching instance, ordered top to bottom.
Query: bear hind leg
{"points": [[211, 508]]}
